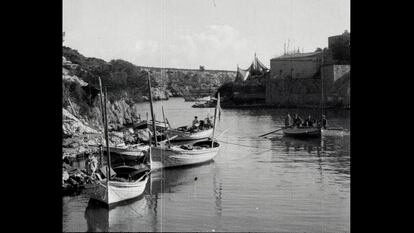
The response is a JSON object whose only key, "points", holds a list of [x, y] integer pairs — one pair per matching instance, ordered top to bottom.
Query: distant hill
{"points": [[124, 79], [127, 84]]}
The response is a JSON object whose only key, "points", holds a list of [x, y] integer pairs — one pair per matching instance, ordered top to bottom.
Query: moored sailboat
{"points": [[185, 134], [173, 155], [120, 183]]}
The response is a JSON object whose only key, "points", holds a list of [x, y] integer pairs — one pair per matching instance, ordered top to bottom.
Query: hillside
{"points": [[127, 80], [126, 84]]}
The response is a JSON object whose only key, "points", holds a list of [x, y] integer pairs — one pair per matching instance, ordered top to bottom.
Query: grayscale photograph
{"points": [[206, 116]]}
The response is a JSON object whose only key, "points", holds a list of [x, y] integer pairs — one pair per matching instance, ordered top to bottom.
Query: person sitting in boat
{"points": [[288, 120], [297, 121], [309, 121], [324, 122], [196, 123], [208, 123], [202, 125]]}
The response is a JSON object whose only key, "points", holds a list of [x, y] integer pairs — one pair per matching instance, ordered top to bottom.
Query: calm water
{"points": [[267, 184]]}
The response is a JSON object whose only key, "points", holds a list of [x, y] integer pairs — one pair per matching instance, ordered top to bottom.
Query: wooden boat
{"points": [[196, 99], [208, 104], [160, 126], [302, 132], [183, 134], [128, 153], [175, 155], [119, 183], [128, 183]]}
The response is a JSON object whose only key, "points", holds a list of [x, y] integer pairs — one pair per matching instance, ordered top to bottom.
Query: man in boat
{"points": [[288, 120], [297, 121], [309, 121], [195, 122], [324, 122], [208, 123], [202, 125]]}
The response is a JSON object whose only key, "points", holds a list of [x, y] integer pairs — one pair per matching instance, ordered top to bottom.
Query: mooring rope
{"points": [[256, 147]]}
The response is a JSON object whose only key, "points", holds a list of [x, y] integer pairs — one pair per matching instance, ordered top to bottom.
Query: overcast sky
{"points": [[218, 34]]}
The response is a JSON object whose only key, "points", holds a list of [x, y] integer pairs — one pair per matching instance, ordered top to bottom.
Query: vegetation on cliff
{"points": [[126, 84]]}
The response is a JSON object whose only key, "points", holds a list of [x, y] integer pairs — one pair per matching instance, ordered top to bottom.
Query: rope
{"points": [[256, 147]]}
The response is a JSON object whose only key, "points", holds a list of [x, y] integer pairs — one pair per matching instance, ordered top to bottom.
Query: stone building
{"points": [[340, 47], [299, 65], [305, 79]]}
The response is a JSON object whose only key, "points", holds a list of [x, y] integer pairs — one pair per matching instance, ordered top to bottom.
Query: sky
{"points": [[217, 34]]}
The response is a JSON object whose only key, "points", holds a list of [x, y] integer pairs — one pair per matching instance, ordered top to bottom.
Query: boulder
{"points": [[73, 126], [143, 135], [129, 139], [115, 140], [65, 176]]}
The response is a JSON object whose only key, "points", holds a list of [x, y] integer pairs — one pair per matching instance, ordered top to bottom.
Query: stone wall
{"points": [[304, 68], [334, 72], [308, 91], [293, 92]]}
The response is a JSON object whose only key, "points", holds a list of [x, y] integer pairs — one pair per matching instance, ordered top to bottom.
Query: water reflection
{"points": [[308, 145], [331, 153], [165, 180], [253, 184], [218, 188], [97, 217]]}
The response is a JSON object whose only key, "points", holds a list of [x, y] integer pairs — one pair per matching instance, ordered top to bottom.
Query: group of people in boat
{"points": [[297, 121], [201, 124]]}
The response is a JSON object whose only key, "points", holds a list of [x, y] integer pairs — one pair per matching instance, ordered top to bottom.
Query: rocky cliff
{"points": [[126, 85]]}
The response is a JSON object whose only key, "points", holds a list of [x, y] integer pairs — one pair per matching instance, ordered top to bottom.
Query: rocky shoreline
{"points": [[82, 141]]}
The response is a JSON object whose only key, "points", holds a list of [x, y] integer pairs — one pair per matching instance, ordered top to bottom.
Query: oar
{"points": [[271, 132]]}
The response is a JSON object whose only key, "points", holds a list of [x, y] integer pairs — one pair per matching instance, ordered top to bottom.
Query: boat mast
{"points": [[322, 100], [152, 110], [103, 117], [215, 118], [165, 125], [107, 137]]}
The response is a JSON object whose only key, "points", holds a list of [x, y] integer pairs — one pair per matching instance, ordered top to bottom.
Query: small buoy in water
{"points": [[195, 178]]}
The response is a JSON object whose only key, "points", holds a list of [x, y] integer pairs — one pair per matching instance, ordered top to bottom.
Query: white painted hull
{"points": [[186, 136], [176, 156], [118, 191], [121, 191]]}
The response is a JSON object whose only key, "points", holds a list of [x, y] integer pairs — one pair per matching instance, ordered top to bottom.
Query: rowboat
{"points": [[196, 99], [208, 104], [160, 126], [302, 132], [185, 135], [128, 153], [182, 155], [119, 183], [128, 183]]}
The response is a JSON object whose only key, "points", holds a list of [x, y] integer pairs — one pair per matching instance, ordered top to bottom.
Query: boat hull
{"points": [[302, 132], [184, 136], [129, 154], [176, 156], [117, 191], [121, 191]]}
